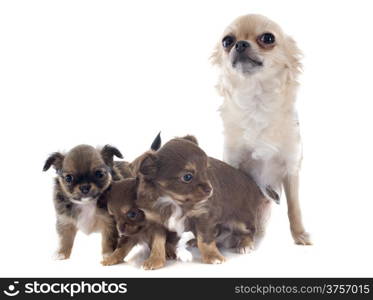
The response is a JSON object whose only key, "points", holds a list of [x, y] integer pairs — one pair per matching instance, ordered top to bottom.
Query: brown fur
{"points": [[87, 166], [230, 209], [133, 227], [209, 252]]}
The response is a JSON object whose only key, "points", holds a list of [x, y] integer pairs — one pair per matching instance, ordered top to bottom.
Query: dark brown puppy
{"points": [[84, 175], [217, 201], [134, 228]]}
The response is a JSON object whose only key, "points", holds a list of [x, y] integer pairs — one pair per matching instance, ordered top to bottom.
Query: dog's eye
{"points": [[266, 39], [228, 41], [99, 174], [187, 177], [69, 178], [132, 214]]}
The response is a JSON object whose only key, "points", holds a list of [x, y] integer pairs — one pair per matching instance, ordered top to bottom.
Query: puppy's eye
{"points": [[266, 39], [228, 41], [99, 174], [187, 177], [69, 178], [132, 214]]}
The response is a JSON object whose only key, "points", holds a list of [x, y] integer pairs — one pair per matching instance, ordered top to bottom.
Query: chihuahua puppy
{"points": [[259, 66], [84, 175], [216, 201], [134, 228]]}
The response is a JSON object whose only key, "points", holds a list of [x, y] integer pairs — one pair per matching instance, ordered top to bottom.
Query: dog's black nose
{"points": [[241, 46], [85, 188]]}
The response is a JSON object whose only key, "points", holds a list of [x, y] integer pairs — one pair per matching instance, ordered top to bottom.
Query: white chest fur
{"points": [[261, 127], [87, 217], [176, 219], [176, 222]]}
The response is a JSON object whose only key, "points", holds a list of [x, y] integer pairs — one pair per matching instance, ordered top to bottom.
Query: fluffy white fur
{"points": [[261, 127], [87, 217], [177, 219], [176, 222], [182, 253]]}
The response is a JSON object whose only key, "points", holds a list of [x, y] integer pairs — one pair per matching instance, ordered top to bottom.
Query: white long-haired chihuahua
{"points": [[259, 67]]}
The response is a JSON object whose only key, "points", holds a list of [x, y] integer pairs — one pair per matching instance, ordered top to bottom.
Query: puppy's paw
{"points": [[301, 238], [245, 246], [245, 250], [170, 253], [61, 255], [106, 255], [184, 255], [213, 258], [111, 260], [154, 263]]}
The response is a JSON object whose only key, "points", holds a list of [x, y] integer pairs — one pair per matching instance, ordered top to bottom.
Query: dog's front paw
{"points": [[301, 238], [245, 246], [245, 250], [170, 253], [60, 255], [106, 255], [184, 255], [213, 258], [111, 260], [154, 263]]}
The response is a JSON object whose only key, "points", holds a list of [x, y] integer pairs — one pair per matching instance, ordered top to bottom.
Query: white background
{"points": [[117, 72]]}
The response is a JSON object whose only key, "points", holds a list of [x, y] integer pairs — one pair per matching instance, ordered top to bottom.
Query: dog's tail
{"points": [[156, 143]]}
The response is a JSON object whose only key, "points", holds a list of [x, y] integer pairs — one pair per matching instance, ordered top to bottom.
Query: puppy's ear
{"points": [[190, 138], [156, 143], [108, 153], [55, 159], [149, 166]]}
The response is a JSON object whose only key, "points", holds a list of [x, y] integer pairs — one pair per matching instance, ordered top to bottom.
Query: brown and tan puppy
{"points": [[84, 175], [218, 202], [134, 228]]}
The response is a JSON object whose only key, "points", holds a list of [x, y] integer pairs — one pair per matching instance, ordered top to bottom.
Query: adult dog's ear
{"points": [[216, 56], [190, 138], [108, 153], [55, 160], [149, 166]]}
